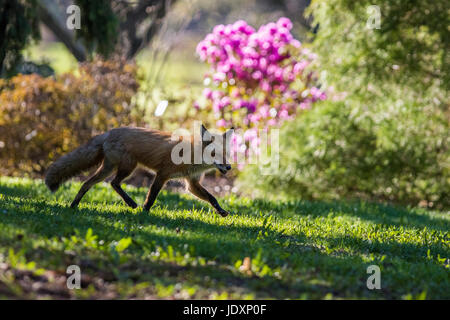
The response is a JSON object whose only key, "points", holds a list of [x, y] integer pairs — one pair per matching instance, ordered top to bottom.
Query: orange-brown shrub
{"points": [[42, 118]]}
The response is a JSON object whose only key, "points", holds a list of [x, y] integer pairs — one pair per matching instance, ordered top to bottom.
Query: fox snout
{"points": [[223, 168]]}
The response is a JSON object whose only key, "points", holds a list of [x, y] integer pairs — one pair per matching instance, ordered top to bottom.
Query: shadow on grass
{"points": [[382, 214], [222, 244]]}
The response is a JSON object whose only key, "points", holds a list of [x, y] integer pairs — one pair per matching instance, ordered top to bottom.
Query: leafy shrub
{"points": [[259, 78], [41, 118], [384, 133], [336, 151]]}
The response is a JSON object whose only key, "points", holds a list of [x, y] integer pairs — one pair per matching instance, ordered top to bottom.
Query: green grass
{"points": [[54, 53], [182, 68], [180, 249]]}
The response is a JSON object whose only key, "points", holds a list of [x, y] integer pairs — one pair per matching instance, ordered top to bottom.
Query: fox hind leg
{"points": [[123, 171], [103, 172]]}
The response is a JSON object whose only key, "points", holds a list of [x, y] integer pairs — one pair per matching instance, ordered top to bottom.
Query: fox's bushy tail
{"points": [[75, 162]]}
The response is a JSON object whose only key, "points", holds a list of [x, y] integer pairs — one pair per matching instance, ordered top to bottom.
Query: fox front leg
{"points": [[198, 190], [153, 192]]}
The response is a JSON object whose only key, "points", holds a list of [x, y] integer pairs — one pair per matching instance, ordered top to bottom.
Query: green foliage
{"points": [[18, 26], [100, 26], [410, 47], [42, 118], [383, 134], [392, 154], [182, 249]]}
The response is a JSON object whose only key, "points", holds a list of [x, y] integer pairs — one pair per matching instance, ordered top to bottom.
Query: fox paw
{"points": [[133, 205], [223, 213]]}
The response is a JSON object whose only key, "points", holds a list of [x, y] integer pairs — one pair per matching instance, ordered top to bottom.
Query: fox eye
{"points": [[213, 153]]}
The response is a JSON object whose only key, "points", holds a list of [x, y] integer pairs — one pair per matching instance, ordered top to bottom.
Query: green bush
{"points": [[384, 132], [338, 151]]}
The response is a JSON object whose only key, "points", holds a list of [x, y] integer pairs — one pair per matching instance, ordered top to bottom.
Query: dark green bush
{"points": [[337, 151]]}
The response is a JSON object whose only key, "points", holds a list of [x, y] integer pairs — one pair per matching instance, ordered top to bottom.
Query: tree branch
{"points": [[52, 18]]}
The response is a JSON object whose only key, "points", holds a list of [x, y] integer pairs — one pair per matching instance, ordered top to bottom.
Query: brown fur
{"points": [[121, 150]]}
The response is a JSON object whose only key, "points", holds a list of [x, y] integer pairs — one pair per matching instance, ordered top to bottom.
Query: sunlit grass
{"points": [[181, 68], [182, 249]]}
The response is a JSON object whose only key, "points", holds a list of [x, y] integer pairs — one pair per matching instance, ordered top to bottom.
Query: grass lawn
{"points": [[53, 53], [181, 249]]}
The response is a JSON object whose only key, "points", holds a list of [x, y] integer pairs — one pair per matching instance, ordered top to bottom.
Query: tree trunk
{"points": [[52, 17]]}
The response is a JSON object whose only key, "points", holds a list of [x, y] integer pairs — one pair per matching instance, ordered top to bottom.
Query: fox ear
{"points": [[203, 130]]}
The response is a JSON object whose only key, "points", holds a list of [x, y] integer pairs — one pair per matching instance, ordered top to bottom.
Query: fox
{"points": [[121, 150]]}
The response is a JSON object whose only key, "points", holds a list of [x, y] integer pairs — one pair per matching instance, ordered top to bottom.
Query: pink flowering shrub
{"points": [[258, 79]]}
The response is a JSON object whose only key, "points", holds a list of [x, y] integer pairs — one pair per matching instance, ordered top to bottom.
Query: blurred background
{"points": [[381, 134]]}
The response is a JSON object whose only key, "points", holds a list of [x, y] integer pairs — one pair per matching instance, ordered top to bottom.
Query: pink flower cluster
{"points": [[237, 51], [259, 78]]}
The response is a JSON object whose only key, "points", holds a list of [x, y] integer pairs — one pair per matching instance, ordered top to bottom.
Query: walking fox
{"points": [[122, 149]]}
